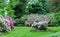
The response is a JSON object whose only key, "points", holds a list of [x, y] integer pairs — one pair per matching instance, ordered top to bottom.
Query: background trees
{"points": [[54, 5], [8, 7], [39, 7], [19, 9]]}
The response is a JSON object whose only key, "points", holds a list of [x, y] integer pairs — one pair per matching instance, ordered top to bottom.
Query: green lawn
{"points": [[25, 32]]}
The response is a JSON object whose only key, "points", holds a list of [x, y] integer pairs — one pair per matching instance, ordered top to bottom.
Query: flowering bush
{"points": [[36, 17], [31, 18], [11, 21], [5, 24], [41, 25]]}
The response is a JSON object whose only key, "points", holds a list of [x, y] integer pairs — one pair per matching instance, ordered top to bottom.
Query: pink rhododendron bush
{"points": [[31, 18], [39, 22], [6, 24], [41, 25]]}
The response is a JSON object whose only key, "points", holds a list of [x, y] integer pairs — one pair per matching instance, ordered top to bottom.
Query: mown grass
{"points": [[25, 32]]}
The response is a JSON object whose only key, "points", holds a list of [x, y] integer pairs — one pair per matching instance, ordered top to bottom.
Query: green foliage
{"points": [[13, 3], [54, 5], [9, 7], [39, 7], [20, 9], [1, 12], [11, 13], [56, 19], [21, 21], [17, 22], [20, 25], [43, 27]]}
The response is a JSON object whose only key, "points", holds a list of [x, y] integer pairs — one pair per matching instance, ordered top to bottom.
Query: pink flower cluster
{"points": [[31, 18], [35, 20], [11, 21]]}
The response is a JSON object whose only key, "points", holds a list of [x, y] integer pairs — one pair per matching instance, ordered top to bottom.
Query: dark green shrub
{"points": [[39, 7], [2, 12], [56, 20], [21, 21], [17, 22], [20, 25], [43, 27]]}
